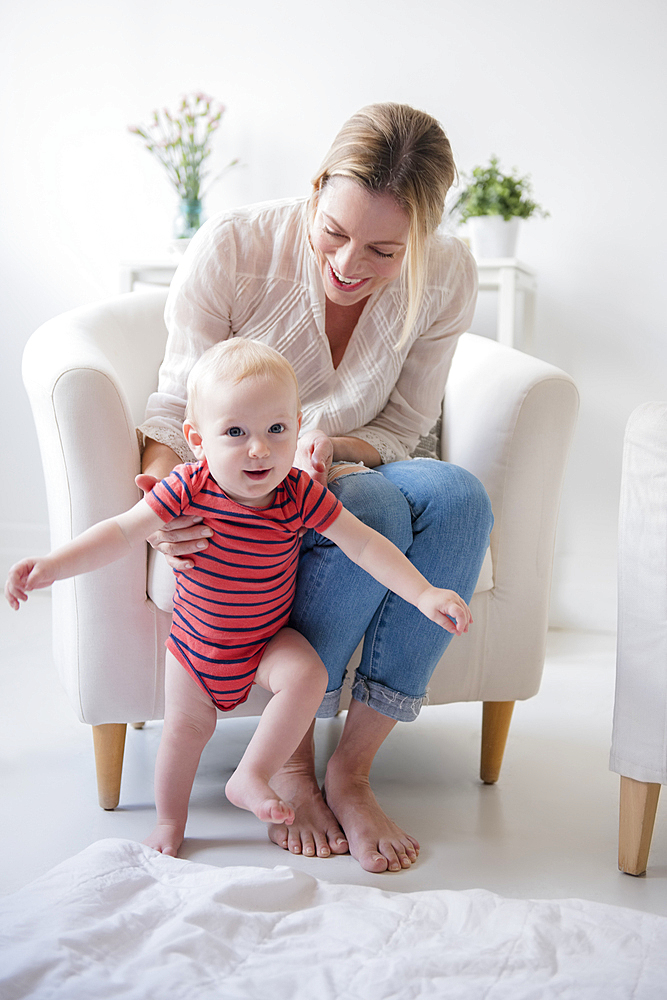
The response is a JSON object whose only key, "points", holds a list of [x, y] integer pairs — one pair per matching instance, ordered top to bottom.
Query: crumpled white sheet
{"points": [[120, 920]]}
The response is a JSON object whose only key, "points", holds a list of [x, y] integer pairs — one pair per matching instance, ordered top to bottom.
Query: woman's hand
{"points": [[314, 454], [180, 537]]}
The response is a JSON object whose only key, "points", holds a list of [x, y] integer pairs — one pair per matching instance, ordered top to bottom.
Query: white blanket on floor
{"points": [[121, 921]]}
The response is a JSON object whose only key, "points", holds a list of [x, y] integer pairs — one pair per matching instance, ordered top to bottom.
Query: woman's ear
{"points": [[193, 437]]}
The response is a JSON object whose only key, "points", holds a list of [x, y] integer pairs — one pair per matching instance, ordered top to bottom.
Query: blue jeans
{"points": [[440, 516]]}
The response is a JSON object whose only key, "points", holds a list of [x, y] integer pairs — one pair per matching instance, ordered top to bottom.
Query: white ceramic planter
{"points": [[491, 236]]}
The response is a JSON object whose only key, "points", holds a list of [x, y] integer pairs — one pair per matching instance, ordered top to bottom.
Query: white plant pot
{"points": [[491, 236]]}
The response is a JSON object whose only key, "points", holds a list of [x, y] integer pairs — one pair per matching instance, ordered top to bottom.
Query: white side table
{"points": [[147, 272], [510, 277]]}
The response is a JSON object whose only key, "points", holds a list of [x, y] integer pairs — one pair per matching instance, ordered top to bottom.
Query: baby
{"points": [[229, 628]]}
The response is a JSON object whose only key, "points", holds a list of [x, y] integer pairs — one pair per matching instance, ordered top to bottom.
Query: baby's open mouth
{"points": [[258, 474]]}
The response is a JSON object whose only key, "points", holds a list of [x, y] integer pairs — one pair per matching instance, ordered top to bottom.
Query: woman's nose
{"points": [[347, 260]]}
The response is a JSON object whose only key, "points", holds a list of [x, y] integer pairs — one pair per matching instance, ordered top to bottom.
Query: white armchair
{"points": [[508, 418], [639, 737]]}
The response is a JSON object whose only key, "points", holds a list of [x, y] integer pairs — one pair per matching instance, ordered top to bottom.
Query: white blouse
{"points": [[253, 273]]}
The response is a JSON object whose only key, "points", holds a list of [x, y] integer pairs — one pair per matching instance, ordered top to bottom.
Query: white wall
{"points": [[572, 92]]}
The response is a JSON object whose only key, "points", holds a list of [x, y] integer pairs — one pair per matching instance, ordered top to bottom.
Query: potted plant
{"points": [[181, 142], [493, 202]]}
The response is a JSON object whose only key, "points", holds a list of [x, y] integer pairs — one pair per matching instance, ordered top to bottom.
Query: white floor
{"points": [[548, 829]]}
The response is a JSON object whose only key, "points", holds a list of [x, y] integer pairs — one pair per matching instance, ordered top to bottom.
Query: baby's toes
{"points": [[280, 812]]}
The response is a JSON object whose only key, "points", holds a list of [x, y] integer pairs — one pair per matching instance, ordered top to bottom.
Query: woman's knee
{"points": [[445, 493], [468, 496], [378, 503]]}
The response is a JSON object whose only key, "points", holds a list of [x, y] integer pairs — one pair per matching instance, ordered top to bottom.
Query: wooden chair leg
{"points": [[496, 718], [109, 742], [639, 801]]}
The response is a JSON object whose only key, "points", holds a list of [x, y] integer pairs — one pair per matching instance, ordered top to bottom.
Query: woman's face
{"points": [[361, 238]]}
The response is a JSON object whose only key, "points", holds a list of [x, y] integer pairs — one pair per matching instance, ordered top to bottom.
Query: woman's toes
{"points": [[278, 834], [294, 841], [337, 844], [307, 845], [322, 846], [396, 855], [374, 862]]}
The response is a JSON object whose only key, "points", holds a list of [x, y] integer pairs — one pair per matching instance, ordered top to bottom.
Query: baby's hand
{"points": [[24, 576], [443, 605]]}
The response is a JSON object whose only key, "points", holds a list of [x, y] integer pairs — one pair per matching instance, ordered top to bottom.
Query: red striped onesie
{"points": [[240, 590]]}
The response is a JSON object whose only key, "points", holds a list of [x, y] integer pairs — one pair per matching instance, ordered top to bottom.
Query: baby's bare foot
{"points": [[257, 796], [166, 839], [376, 841]]}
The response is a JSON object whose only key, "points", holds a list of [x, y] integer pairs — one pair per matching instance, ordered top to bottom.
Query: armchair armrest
{"points": [[509, 419], [86, 431]]}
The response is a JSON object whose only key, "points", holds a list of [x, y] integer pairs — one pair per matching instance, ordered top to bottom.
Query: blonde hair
{"points": [[395, 149], [232, 361]]}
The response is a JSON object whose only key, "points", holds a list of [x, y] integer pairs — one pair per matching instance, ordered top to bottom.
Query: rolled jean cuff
{"points": [[330, 704], [393, 704]]}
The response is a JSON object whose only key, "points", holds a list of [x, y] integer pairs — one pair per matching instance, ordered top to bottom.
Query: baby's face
{"points": [[248, 435]]}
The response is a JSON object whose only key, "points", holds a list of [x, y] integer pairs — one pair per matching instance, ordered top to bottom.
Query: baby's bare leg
{"points": [[291, 669], [189, 723]]}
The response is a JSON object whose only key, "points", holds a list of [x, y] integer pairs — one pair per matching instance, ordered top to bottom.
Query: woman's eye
{"points": [[330, 232], [388, 256], [276, 428], [235, 432]]}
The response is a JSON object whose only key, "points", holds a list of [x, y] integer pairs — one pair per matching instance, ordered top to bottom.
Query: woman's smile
{"points": [[345, 283]]}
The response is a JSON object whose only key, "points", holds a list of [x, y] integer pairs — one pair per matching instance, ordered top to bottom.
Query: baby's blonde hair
{"points": [[232, 361]]}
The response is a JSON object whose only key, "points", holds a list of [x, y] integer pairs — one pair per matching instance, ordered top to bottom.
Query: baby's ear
{"points": [[193, 437]]}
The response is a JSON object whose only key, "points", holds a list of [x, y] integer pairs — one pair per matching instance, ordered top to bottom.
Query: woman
{"points": [[358, 291]]}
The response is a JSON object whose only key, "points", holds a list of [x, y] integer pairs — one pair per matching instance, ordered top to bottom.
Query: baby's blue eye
{"points": [[276, 428], [235, 432]]}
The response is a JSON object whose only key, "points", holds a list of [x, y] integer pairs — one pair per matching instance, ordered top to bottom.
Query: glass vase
{"points": [[189, 218]]}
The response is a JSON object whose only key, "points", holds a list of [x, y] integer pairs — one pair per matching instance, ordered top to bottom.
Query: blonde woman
{"points": [[357, 290]]}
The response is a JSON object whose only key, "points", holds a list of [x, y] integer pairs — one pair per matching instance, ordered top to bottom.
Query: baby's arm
{"points": [[101, 544], [380, 557]]}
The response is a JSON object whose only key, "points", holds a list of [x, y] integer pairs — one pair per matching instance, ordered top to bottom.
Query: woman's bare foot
{"points": [[252, 793], [315, 831], [166, 839], [375, 841]]}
